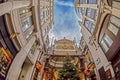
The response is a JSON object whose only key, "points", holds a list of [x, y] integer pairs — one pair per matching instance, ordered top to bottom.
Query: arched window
{"points": [[109, 32]]}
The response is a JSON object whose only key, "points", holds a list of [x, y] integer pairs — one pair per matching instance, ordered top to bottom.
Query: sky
{"points": [[65, 21]]}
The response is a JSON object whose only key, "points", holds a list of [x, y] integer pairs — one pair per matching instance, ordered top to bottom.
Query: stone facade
{"points": [[99, 20], [23, 23]]}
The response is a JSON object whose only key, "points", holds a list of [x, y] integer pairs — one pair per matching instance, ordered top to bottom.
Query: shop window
{"points": [[116, 4], [91, 13], [26, 23], [5, 61], [36, 74]]}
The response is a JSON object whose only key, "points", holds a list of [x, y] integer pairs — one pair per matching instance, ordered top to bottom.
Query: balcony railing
{"points": [[60, 64]]}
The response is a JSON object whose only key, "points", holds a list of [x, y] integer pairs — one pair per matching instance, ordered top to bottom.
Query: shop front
{"points": [[7, 49], [5, 61], [116, 65], [36, 71], [90, 73], [102, 73], [108, 75]]}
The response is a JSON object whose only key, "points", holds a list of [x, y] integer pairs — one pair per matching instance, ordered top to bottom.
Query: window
{"points": [[82, 1], [92, 1], [116, 4], [76, 10], [82, 10], [23, 11], [91, 13], [42, 15], [115, 20], [42, 22], [26, 23], [86, 23], [89, 25], [114, 25], [92, 27], [113, 29], [44, 32], [110, 32], [28, 34], [108, 40], [106, 43], [34, 46], [104, 46]]}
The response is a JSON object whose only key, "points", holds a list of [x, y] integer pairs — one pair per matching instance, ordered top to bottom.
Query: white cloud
{"points": [[63, 3], [65, 23]]}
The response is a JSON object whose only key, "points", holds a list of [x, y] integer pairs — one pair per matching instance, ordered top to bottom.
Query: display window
{"points": [[5, 62], [36, 71]]}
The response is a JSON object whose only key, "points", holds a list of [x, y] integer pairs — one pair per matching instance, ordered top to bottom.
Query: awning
{"points": [[38, 66]]}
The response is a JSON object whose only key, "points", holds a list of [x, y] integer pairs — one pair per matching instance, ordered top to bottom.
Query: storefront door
{"points": [[102, 73]]}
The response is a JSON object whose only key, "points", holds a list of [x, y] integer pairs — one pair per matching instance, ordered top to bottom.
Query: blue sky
{"points": [[65, 21]]}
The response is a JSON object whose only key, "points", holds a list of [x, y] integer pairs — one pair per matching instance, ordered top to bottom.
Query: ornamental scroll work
{"points": [[65, 47]]}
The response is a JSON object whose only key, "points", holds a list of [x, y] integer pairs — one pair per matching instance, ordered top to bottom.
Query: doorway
{"points": [[26, 70], [102, 73]]}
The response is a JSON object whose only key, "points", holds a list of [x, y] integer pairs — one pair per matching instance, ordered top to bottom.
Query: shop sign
{"points": [[5, 61], [91, 66]]}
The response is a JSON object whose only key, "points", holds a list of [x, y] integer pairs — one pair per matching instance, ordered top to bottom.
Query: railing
{"points": [[62, 54], [60, 64]]}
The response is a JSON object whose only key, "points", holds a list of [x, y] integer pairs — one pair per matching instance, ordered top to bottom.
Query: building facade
{"points": [[99, 19], [21, 37], [63, 49], [90, 71]]}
